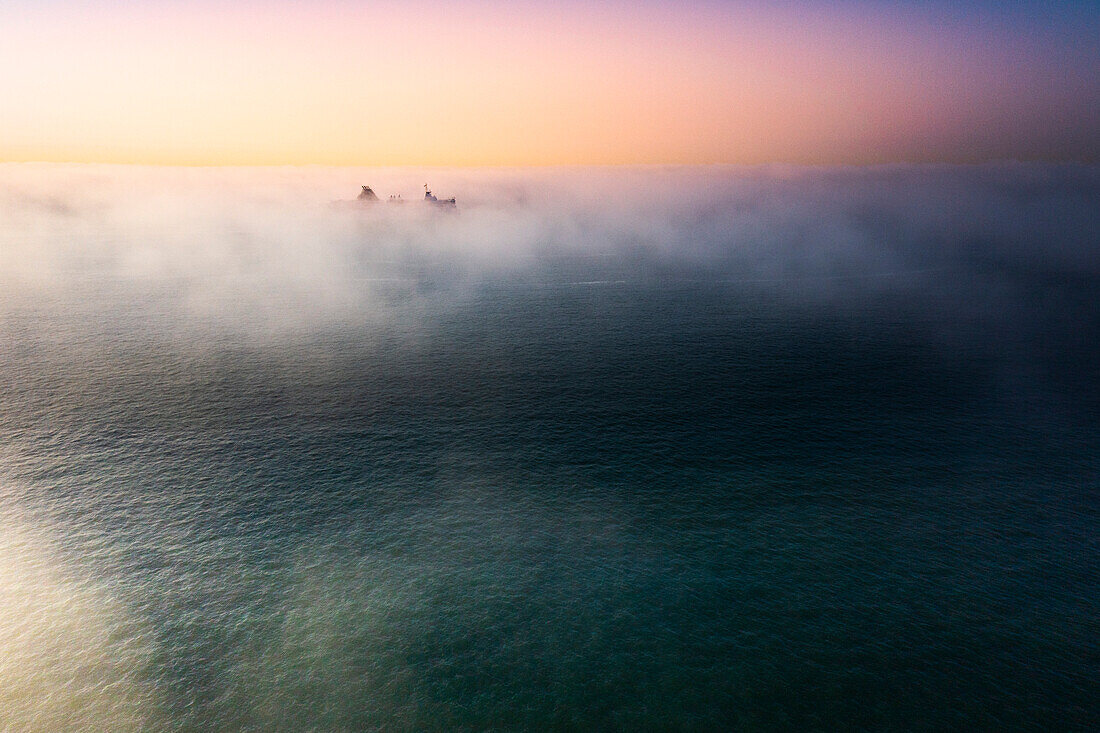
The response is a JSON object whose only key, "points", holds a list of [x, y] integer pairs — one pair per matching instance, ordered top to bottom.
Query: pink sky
{"points": [[486, 83]]}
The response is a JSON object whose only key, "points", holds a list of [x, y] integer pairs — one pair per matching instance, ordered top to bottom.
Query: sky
{"points": [[488, 83]]}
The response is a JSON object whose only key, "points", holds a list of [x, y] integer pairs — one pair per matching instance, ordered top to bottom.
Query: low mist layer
{"points": [[262, 252], [189, 258]]}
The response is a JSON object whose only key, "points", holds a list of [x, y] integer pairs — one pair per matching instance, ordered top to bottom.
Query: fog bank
{"points": [[263, 253]]}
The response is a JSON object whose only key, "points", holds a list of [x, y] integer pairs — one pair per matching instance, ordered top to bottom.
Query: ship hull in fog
{"points": [[367, 199]]}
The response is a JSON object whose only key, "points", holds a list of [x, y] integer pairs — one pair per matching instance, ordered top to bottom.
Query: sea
{"points": [[614, 449]]}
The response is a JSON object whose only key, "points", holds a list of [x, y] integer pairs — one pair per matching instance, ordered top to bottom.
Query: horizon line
{"points": [[505, 166]]}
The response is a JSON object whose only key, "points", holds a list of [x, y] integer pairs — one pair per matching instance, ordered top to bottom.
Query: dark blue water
{"points": [[615, 493]]}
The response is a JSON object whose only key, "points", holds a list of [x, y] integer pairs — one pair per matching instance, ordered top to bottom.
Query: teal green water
{"points": [[653, 489]]}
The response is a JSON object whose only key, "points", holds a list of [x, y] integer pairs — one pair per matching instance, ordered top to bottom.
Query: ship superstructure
{"points": [[443, 203]]}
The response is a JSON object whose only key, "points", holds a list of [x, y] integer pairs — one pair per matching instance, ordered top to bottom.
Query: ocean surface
{"points": [[704, 449]]}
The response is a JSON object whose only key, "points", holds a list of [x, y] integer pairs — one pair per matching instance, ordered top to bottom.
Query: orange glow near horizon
{"points": [[477, 83]]}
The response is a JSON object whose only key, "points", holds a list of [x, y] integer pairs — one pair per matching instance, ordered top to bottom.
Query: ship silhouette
{"points": [[367, 197], [442, 203]]}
